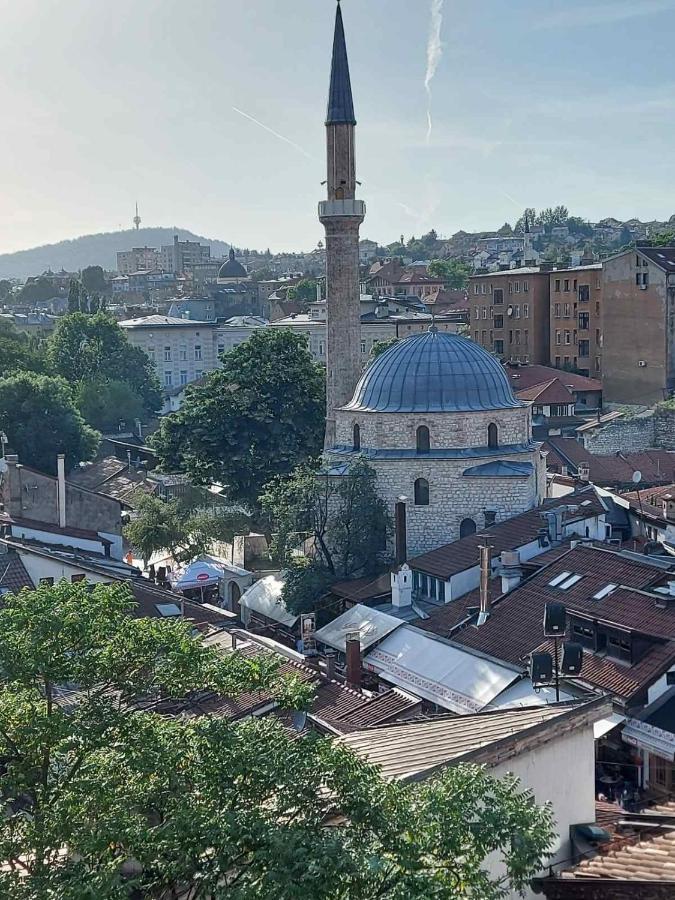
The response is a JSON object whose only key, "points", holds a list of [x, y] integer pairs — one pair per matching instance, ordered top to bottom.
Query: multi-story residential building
{"points": [[180, 256], [140, 258], [509, 313], [576, 319], [638, 325], [236, 331], [180, 349]]}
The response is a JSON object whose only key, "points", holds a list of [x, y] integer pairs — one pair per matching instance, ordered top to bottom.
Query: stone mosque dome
{"points": [[232, 269], [434, 372]]}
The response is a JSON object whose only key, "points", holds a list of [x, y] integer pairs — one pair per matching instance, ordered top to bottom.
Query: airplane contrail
{"points": [[434, 55], [272, 131]]}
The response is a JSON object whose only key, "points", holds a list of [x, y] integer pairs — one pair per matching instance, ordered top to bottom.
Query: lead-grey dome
{"points": [[231, 268], [434, 372]]}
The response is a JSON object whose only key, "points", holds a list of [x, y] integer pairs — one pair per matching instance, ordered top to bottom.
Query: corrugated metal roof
{"points": [[264, 597], [371, 625], [409, 750]]}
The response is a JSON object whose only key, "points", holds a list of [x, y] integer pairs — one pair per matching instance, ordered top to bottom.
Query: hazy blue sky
{"points": [[534, 103]]}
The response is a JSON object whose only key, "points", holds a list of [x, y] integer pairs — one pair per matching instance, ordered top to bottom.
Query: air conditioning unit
{"points": [[642, 364]]}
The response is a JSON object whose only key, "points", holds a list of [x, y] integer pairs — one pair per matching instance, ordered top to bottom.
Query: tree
{"points": [[529, 214], [550, 216], [505, 230], [665, 238], [454, 272], [93, 280], [6, 290], [37, 290], [304, 291], [74, 296], [380, 347], [94, 348], [17, 352], [105, 404], [259, 416], [40, 419], [343, 517], [161, 525], [106, 797]]}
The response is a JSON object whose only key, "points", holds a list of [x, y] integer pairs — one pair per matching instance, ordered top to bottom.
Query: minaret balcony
{"points": [[329, 209]]}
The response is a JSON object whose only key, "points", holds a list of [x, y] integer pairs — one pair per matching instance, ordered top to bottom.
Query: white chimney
{"points": [[61, 474], [511, 573], [401, 587], [671, 588]]}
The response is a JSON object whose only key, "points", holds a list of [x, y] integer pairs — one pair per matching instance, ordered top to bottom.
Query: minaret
{"points": [[341, 214], [137, 218], [528, 250]]}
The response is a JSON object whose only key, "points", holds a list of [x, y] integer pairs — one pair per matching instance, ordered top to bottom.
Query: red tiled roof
{"points": [[527, 376], [553, 391], [656, 466], [508, 535], [360, 589], [650, 859]]}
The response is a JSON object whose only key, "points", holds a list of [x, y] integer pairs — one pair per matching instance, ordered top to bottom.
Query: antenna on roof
{"points": [[137, 219]]}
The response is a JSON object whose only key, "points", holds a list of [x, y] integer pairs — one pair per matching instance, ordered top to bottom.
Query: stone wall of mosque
{"points": [[398, 431], [454, 497]]}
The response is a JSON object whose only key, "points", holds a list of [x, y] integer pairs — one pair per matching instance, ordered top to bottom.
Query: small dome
{"points": [[232, 269], [434, 372]]}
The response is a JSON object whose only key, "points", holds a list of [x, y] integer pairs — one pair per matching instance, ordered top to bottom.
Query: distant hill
{"points": [[95, 250]]}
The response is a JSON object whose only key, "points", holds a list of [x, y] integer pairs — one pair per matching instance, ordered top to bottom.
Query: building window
{"points": [[557, 284], [566, 284], [516, 287], [526, 287], [475, 288], [482, 289], [584, 293], [498, 295], [484, 310], [516, 310], [526, 310], [556, 310], [567, 310], [499, 321], [584, 321], [475, 336], [568, 337], [363, 346], [499, 347], [322, 348], [584, 348], [221, 349], [198, 351], [182, 352], [151, 353], [167, 354], [557, 362], [198, 374], [183, 376], [168, 379], [493, 435], [356, 437], [423, 439], [421, 492], [490, 517], [467, 527], [74, 579], [47, 580]]}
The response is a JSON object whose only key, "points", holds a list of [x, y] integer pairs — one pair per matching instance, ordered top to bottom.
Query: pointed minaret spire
{"points": [[340, 102], [341, 214]]}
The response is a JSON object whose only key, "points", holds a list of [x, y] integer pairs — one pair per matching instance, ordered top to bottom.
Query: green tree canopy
{"points": [[454, 272], [93, 280], [6, 290], [37, 290], [304, 291], [380, 347], [94, 348], [17, 352], [104, 404], [259, 416], [40, 419], [343, 517], [186, 534], [106, 798]]}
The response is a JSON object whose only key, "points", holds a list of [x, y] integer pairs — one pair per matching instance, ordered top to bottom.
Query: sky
{"points": [[531, 103]]}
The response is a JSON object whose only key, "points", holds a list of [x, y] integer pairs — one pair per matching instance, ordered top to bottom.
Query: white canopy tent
{"points": [[204, 572], [438, 671]]}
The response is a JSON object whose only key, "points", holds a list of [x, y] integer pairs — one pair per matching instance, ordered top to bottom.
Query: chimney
{"points": [[318, 292], [584, 471], [61, 474], [12, 497], [401, 529], [511, 572], [401, 587], [485, 605], [353, 649], [330, 664]]}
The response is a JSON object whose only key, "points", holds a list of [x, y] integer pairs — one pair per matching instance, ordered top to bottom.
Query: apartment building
{"points": [[181, 256], [140, 259], [509, 313], [576, 319], [638, 324], [180, 349]]}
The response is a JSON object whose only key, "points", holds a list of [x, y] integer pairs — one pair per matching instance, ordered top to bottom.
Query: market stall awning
{"points": [[202, 572], [264, 598], [370, 624], [439, 671], [604, 726]]}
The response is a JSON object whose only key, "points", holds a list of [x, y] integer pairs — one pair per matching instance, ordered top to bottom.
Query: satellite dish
{"points": [[637, 476], [299, 721]]}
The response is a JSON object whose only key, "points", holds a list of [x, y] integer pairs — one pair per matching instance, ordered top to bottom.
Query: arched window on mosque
{"points": [[493, 435], [357, 437], [423, 439], [421, 492], [467, 527]]}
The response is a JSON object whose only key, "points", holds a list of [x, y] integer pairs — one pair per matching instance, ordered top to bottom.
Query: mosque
{"points": [[435, 415]]}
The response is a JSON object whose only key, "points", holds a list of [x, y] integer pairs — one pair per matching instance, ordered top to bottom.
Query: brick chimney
{"points": [[353, 649]]}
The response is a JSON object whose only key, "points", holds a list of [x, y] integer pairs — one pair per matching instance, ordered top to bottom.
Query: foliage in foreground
{"points": [[110, 802]]}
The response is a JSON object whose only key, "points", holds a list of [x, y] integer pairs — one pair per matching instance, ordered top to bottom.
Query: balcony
{"points": [[329, 209]]}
